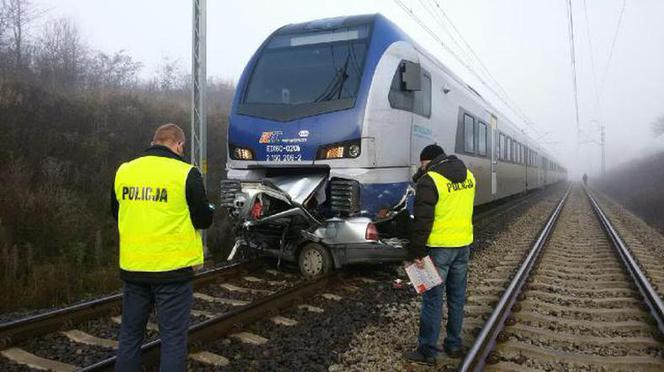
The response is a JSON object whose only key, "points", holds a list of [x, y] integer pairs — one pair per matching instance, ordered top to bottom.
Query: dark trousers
{"points": [[452, 264], [173, 302]]}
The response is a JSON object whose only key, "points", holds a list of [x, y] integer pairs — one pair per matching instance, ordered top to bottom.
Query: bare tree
{"points": [[19, 15], [3, 21], [3, 36], [60, 56], [118, 70], [169, 76], [658, 126]]}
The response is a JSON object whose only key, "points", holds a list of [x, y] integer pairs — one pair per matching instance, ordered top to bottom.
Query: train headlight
{"points": [[350, 149], [354, 150], [334, 152], [241, 153]]}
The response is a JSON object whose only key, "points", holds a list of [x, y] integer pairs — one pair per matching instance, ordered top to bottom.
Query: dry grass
{"points": [[638, 187], [27, 286]]}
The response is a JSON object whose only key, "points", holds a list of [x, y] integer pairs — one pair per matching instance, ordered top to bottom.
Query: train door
{"points": [[421, 133], [494, 155]]}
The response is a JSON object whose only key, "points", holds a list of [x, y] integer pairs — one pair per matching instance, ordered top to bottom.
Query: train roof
{"points": [[328, 23]]}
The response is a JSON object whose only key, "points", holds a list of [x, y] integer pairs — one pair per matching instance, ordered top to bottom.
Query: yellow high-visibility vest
{"points": [[453, 221], [156, 233]]}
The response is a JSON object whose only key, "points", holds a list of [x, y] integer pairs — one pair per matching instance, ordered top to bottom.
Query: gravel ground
{"points": [[645, 242], [499, 247], [579, 247], [373, 324], [370, 328], [58, 347], [294, 348], [9, 366]]}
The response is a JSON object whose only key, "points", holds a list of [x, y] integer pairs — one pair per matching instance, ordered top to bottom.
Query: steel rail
{"points": [[650, 296], [215, 328], [22, 329], [486, 340]]}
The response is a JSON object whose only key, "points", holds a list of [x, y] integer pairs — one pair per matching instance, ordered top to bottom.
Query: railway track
{"points": [[242, 296], [578, 301], [20, 330], [83, 336], [74, 337]]}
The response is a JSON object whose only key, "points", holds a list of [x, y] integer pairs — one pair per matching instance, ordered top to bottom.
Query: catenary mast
{"points": [[199, 92]]}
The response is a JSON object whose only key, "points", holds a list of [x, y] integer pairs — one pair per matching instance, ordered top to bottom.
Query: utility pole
{"points": [[199, 91], [199, 94], [603, 144]]}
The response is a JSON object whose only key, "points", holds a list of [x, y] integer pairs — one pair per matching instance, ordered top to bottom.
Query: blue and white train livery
{"points": [[327, 124]]}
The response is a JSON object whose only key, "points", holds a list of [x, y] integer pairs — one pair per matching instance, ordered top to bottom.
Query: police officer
{"points": [[160, 204], [443, 230]]}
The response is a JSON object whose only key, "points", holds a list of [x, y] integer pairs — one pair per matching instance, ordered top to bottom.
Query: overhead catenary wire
{"points": [[438, 18], [613, 44], [592, 57], [573, 62], [466, 64], [487, 73]]}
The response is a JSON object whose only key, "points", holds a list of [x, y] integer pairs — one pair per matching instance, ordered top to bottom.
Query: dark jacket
{"points": [[426, 198], [200, 211]]}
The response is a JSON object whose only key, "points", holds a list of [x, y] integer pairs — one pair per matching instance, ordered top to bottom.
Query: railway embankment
{"points": [[637, 186]]}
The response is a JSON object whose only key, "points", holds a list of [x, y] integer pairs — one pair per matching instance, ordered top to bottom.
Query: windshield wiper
{"points": [[335, 88]]}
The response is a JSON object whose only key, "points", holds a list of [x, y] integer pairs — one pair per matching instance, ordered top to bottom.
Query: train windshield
{"points": [[307, 73]]}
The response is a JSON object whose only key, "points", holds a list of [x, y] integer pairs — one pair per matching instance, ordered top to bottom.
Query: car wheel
{"points": [[314, 260]]}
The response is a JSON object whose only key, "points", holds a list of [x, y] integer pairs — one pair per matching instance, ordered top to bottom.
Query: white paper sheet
{"points": [[426, 278]]}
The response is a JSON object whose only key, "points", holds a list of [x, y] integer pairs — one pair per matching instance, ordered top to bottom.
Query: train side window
{"points": [[423, 97], [400, 99], [418, 102], [468, 133], [481, 140], [499, 146], [504, 148], [513, 150], [517, 150], [508, 156]]}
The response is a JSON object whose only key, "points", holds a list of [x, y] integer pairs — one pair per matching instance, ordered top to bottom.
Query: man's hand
{"points": [[419, 263]]}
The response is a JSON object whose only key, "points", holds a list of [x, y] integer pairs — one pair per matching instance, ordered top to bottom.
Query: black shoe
{"points": [[455, 353], [417, 357]]}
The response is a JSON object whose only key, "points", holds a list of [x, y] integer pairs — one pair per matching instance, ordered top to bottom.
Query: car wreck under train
{"points": [[325, 131]]}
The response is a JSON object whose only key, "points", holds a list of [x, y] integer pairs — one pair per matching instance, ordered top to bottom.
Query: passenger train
{"points": [[325, 132]]}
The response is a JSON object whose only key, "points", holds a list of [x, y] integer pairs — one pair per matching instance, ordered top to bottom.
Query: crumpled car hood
{"points": [[299, 188]]}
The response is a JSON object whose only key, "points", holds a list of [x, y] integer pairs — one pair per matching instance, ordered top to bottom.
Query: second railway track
{"points": [[579, 306]]}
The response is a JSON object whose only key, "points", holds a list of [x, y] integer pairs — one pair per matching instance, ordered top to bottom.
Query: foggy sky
{"points": [[524, 44]]}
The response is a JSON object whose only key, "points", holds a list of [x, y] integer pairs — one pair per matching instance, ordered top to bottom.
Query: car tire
{"points": [[314, 261]]}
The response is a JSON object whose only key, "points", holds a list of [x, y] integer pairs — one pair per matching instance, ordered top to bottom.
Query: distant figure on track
{"points": [[585, 179], [160, 203], [443, 229]]}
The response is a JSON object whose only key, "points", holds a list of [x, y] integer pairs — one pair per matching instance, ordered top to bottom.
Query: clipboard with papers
{"points": [[425, 278]]}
